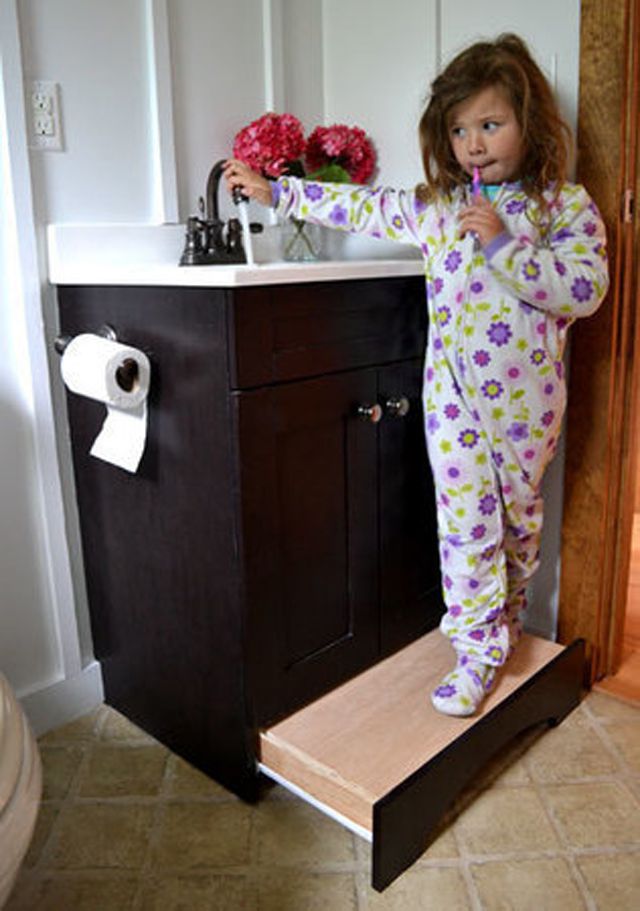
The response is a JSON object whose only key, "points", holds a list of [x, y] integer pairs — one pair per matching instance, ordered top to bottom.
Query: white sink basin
{"points": [[149, 255]]}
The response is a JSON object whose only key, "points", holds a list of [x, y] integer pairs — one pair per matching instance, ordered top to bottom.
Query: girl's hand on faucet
{"points": [[253, 185]]}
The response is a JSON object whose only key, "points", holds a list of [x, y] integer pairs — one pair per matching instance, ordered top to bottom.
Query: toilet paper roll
{"points": [[117, 375]]}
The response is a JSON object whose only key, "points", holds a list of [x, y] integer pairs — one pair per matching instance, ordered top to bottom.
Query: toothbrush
{"points": [[477, 182], [242, 203]]}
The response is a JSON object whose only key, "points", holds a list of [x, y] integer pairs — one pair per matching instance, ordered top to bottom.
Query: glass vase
{"points": [[302, 241]]}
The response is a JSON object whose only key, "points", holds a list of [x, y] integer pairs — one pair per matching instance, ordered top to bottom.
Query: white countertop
{"points": [[149, 255]]}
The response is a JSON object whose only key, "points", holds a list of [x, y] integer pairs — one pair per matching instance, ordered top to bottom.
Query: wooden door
{"points": [[600, 464], [308, 478], [410, 586]]}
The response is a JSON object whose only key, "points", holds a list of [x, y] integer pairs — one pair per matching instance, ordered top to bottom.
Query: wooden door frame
{"points": [[605, 364]]}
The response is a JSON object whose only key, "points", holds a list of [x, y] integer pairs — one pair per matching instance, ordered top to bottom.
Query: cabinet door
{"points": [[308, 469], [410, 598]]}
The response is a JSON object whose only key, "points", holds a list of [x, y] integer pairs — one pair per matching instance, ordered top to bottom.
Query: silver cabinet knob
{"points": [[397, 406], [371, 413]]}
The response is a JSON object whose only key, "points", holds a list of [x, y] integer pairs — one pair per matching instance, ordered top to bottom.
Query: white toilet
{"points": [[20, 787]]}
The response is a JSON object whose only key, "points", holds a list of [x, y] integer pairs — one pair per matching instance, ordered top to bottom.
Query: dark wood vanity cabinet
{"points": [[277, 539]]}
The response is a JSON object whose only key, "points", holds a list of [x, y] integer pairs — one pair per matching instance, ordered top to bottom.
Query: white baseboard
{"points": [[65, 700]]}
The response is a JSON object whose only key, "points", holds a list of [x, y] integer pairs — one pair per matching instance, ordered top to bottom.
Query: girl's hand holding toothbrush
{"points": [[253, 185], [481, 218]]}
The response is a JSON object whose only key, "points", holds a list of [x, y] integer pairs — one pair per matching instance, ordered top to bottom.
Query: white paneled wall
{"points": [[550, 27], [302, 49], [98, 53], [380, 58], [368, 62], [379, 62], [218, 85], [153, 92], [27, 624], [41, 639]]}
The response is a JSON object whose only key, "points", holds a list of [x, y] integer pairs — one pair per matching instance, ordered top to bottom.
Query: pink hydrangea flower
{"points": [[270, 144], [274, 144], [340, 146]]}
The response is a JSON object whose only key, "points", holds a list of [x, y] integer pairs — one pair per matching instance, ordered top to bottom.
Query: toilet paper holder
{"points": [[106, 331], [127, 374]]}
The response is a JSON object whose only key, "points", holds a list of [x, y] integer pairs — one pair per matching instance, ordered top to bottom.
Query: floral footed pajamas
{"points": [[494, 388]]}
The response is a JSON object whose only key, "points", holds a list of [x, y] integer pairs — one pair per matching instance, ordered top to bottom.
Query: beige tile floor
{"points": [[127, 826]]}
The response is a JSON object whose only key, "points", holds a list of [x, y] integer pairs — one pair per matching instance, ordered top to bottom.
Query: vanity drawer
{"points": [[286, 332], [377, 757]]}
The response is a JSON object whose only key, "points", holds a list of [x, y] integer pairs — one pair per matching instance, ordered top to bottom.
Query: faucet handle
{"points": [[235, 247], [192, 253]]}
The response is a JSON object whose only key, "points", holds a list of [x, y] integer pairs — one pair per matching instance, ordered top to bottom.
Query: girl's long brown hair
{"points": [[505, 62]]}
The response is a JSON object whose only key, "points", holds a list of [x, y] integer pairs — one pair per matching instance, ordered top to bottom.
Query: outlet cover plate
{"points": [[44, 115]]}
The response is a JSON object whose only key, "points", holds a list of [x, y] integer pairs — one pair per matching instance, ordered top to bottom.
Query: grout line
{"points": [[610, 745], [65, 802], [563, 841], [464, 866], [145, 871], [361, 883], [581, 883]]}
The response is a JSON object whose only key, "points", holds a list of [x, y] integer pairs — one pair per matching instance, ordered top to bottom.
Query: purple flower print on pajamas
{"points": [[313, 191], [516, 206], [339, 215], [453, 260], [531, 270], [582, 289], [444, 315], [499, 333], [482, 358], [492, 389], [432, 423], [518, 431], [468, 438], [487, 504]]}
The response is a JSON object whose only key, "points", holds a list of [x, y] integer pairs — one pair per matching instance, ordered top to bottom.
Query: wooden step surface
{"points": [[354, 745]]}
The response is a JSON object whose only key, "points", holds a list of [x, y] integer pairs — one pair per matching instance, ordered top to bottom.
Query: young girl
{"points": [[513, 255]]}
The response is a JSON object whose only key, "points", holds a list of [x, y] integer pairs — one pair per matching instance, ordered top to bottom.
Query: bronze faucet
{"points": [[206, 243]]}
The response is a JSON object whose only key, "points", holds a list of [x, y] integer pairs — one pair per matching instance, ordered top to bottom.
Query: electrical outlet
{"points": [[40, 101], [44, 116], [43, 125]]}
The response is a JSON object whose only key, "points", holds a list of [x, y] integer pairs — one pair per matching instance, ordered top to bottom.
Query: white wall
{"points": [[550, 27], [98, 54], [356, 61], [217, 62], [377, 72], [152, 93], [28, 624], [41, 637]]}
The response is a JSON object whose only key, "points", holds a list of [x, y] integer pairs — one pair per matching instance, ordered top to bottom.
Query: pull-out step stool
{"points": [[375, 754]]}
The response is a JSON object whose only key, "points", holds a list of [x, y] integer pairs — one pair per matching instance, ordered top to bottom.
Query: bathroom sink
{"points": [[130, 254]]}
